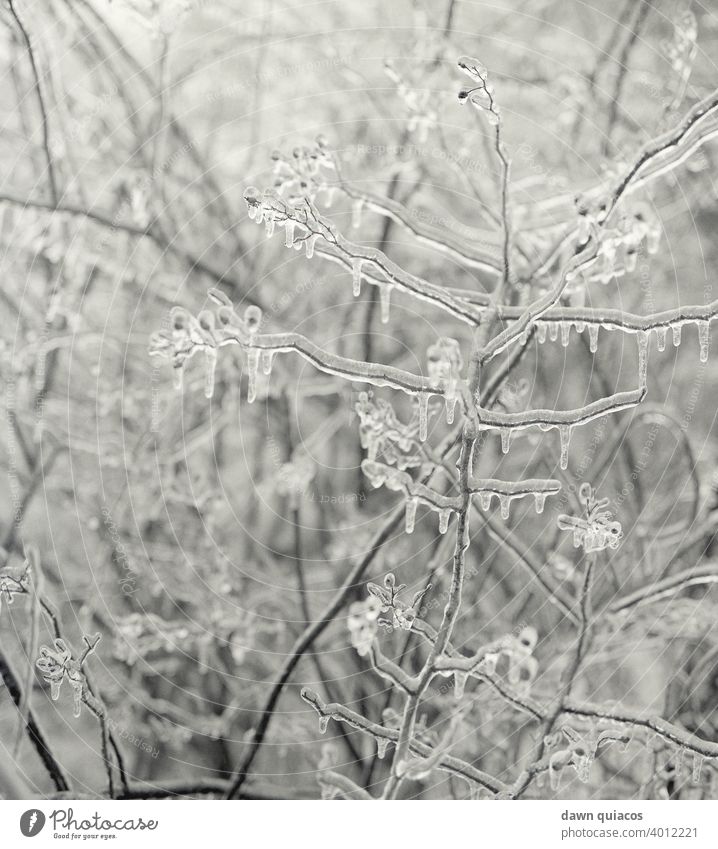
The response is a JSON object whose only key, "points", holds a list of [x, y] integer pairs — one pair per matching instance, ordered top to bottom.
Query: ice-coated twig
{"points": [[670, 149], [657, 157], [303, 222], [470, 253], [557, 418], [666, 588], [391, 671], [663, 728], [383, 736], [334, 782]]}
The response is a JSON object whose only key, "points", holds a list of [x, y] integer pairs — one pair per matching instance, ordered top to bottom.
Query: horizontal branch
{"points": [[312, 225], [442, 240], [557, 418], [666, 588], [662, 727], [447, 763]]}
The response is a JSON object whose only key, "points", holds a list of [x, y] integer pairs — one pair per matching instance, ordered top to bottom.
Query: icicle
{"points": [[357, 205], [269, 225], [288, 233], [309, 245], [356, 277], [385, 301], [580, 326], [553, 331], [541, 332], [565, 333], [676, 335], [593, 337], [642, 338], [661, 338], [704, 339], [210, 356], [267, 361], [252, 367], [177, 377], [450, 404], [423, 415], [565, 435], [505, 439], [485, 500], [539, 501], [504, 502], [411, 505], [444, 516], [459, 684], [54, 690], [77, 702], [323, 724], [382, 744], [678, 762], [583, 768], [697, 768], [554, 777]]}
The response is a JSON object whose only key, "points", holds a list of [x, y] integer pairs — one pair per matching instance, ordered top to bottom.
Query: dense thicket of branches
{"points": [[427, 456]]}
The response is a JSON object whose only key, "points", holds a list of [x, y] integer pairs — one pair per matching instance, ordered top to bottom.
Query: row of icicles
{"points": [[552, 330]]}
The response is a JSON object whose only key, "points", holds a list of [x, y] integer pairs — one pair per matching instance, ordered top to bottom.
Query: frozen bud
{"points": [[472, 67], [225, 315], [253, 318], [206, 321], [527, 638]]}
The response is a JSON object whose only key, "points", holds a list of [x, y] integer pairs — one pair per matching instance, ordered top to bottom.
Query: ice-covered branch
{"points": [[304, 225], [468, 252], [208, 333], [562, 420], [666, 588], [668, 731], [384, 736]]}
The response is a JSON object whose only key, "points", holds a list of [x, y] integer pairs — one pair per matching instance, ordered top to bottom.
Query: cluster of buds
{"points": [[680, 51], [481, 94], [306, 172], [301, 220], [618, 246], [207, 332], [382, 435], [596, 530], [12, 585], [401, 615], [363, 624], [513, 658], [57, 664], [579, 750]]}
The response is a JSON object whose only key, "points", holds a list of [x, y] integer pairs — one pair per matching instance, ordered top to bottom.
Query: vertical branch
{"points": [[54, 194]]}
